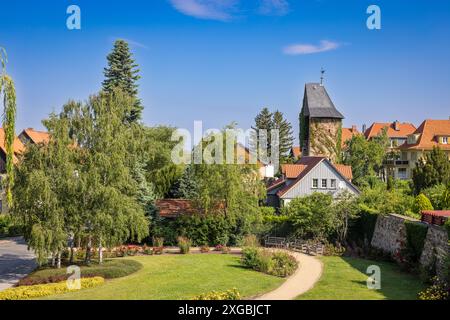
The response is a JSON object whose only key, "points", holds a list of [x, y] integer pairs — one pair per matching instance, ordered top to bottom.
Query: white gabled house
{"points": [[309, 175]]}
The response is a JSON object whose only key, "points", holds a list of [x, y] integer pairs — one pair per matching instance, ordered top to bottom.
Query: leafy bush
{"points": [[435, 195], [422, 203], [311, 216], [363, 226], [9, 227], [415, 238], [250, 241], [158, 242], [184, 244], [204, 249], [277, 263], [283, 264], [110, 269], [42, 290], [437, 291], [232, 294]]}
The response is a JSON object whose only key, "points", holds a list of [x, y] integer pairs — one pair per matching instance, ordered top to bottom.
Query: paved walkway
{"points": [[15, 261], [304, 279]]}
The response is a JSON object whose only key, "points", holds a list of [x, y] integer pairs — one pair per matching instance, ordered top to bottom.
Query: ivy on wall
{"points": [[324, 142]]}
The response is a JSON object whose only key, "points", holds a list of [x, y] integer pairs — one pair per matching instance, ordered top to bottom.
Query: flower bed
{"points": [[42, 290]]}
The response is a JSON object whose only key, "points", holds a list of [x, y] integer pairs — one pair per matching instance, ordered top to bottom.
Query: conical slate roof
{"points": [[317, 103]]}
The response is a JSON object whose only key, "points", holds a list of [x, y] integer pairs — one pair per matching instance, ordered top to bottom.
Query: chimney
{"points": [[397, 125], [364, 128], [354, 129]]}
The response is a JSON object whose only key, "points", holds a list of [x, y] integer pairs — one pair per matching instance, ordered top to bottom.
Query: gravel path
{"points": [[304, 279]]}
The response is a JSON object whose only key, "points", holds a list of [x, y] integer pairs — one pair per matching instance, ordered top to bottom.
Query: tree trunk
{"points": [[71, 244], [100, 252], [53, 259], [59, 260], [87, 260]]}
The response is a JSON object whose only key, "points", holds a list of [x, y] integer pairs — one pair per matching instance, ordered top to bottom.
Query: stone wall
{"points": [[390, 233], [390, 236], [435, 249]]}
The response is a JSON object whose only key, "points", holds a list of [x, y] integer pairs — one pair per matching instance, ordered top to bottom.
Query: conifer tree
{"points": [[123, 73], [286, 137]]}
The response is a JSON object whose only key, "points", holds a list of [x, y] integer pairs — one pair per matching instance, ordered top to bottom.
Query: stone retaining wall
{"points": [[390, 236], [435, 249]]}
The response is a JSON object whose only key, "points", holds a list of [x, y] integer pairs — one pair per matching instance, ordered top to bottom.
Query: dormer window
{"points": [[444, 140]]}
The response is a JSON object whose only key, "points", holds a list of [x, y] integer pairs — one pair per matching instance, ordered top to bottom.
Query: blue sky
{"points": [[223, 60]]}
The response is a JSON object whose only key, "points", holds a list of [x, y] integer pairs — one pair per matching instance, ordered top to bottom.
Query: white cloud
{"points": [[274, 7], [206, 9], [225, 10], [304, 48]]}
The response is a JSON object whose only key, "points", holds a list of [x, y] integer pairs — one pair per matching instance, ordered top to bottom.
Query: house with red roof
{"points": [[397, 132], [348, 133], [430, 134], [34, 136], [309, 175]]}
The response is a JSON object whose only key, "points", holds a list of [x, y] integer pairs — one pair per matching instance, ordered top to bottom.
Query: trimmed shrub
{"points": [[421, 203], [362, 228], [415, 238], [184, 244], [277, 263], [283, 264], [42, 290], [232, 294]]}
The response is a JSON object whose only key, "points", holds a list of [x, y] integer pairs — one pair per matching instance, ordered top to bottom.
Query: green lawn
{"points": [[180, 277], [345, 279]]}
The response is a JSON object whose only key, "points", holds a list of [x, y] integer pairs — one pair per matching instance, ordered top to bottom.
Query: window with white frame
{"points": [[445, 140], [315, 183], [324, 183], [333, 184]]}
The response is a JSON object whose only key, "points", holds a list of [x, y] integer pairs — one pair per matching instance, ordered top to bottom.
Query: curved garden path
{"points": [[309, 272]]}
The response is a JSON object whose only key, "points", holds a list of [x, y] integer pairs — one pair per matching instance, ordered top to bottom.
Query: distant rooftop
{"points": [[317, 103]]}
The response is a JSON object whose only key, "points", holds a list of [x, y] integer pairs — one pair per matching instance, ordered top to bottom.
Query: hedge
{"points": [[362, 228], [415, 238], [42, 290]]}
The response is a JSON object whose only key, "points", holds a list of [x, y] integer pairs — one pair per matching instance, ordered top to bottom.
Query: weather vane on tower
{"points": [[322, 72]]}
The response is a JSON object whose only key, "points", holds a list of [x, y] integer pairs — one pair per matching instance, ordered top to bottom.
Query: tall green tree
{"points": [[123, 73], [8, 91], [267, 120], [263, 121], [285, 134], [366, 157], [431, 170], [82, 183]]}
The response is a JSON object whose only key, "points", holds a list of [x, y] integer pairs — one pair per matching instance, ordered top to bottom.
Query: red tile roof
{"points": [[404, 129], [348, 133], [428, 133], [37, 136], [18, 146], [296, 152], [292, 171], [172, 208], [437, 213]]}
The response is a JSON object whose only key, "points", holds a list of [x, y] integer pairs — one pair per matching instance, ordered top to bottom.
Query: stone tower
{"points": [[320, 124]]}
